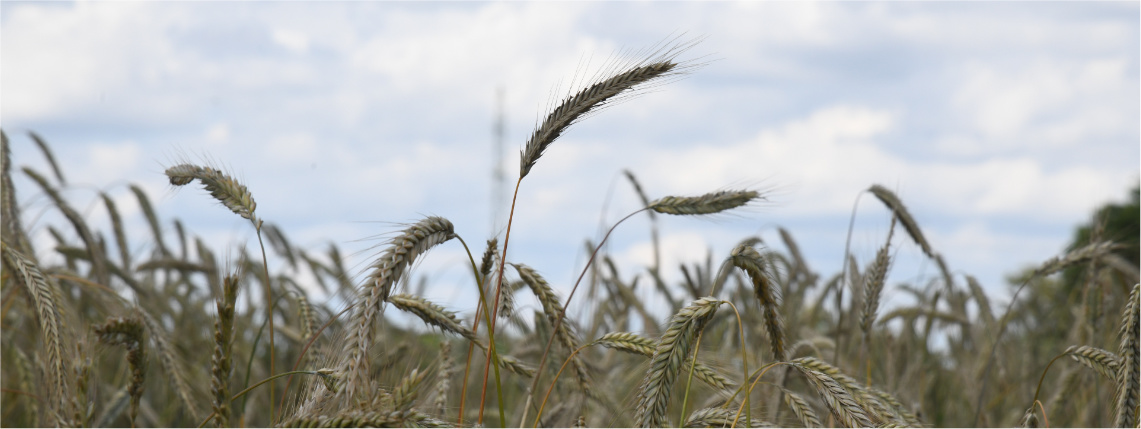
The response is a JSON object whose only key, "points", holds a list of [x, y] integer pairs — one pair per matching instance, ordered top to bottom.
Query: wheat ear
{"points": [[590, 98], [223, 187], [714, 202], [896, 206], [13, 230], [1079, 255], [749, 260], [98, 262], [386, 272], [873, 284], [552, 308], [432, 314], [51, 326], [128, 332], [636, 344], [223, 347], [167, 360], [1104, 362], [666, 364], [443, 379], [1128, 385], [407, 390], [838, 399], [868, 400], [801, 409], [717, 417]]}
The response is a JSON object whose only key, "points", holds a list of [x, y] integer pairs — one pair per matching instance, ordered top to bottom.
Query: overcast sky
{"points": [[1000, 125]]}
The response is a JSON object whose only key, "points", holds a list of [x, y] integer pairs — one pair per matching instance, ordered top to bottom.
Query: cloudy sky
{"points": [[1000, 125]]}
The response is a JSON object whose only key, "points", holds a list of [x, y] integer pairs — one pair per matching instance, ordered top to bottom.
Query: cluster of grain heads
{"points": [[387, 271], [128, 332], [666, 364]]}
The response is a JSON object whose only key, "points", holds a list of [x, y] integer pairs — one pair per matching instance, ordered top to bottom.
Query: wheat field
{"points": [[187, 334]]}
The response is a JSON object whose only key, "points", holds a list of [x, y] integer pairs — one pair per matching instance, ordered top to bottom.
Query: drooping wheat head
{"points": [[900, 211], [749, 260], [387, 271], [128, 332], [673, 348]]}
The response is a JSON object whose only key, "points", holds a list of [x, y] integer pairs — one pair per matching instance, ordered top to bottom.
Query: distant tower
{"points": [[498, 175]]}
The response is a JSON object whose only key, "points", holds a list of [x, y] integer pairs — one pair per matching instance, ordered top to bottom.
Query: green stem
{"points": [[494, 310], [563, 313], [268, 315], [491, 342], [689, 380]]}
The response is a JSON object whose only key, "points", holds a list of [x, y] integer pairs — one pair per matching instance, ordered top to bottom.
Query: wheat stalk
{"points": [[387, 271], [666, 364]]}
